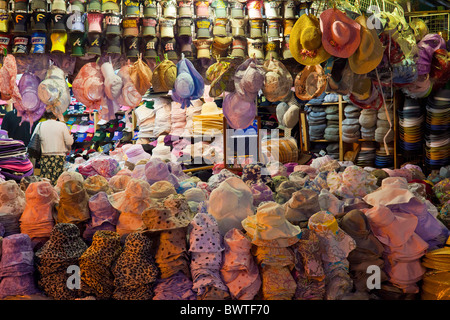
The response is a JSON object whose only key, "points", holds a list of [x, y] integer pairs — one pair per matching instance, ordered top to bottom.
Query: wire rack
{"points": [[367, 6], [436, 22]]}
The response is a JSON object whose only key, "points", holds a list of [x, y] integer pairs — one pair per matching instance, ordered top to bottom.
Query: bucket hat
{"points": [[341, 36], [305, 41], [427, 46], [238, 47], [164, 76], [249, 79], [278, 81], [189, 84], [88, 86], [54, 91], [31, 108], [134, 199], [73, 203], [302, 205]]}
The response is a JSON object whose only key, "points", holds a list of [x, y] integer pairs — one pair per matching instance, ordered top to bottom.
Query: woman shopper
{"points": [[56, 140]]}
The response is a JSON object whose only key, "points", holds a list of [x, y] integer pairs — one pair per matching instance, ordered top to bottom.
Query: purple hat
{"points": [[427, 46], [249, 79], [189, 84], [31, 108], [239, 113], [136, 153], [157, 170], [261, 193], [101, 210], [204, 234], [16, 250]]}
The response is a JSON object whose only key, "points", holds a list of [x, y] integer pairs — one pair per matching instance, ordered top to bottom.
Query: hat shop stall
{"points": [[225, 149]]}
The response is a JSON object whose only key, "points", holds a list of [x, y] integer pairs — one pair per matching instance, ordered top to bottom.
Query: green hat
{"points": [[21, 5], [76, 5], [59, 6], [94, 6], [110, 6], [131, 8], [150, 8], [77, 42], [94, 44], [113, 44], [132, 46], [151, 46], [99, 136]]}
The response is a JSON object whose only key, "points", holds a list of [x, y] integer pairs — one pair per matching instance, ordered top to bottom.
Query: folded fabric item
{"points": [[285, 190], [171, 255], [96, 264], [239, 270], [135, 271], [176, 287]]}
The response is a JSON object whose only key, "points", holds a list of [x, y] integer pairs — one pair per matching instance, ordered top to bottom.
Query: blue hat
{"points": [[189, 84], [117, 135], [81, 137]]}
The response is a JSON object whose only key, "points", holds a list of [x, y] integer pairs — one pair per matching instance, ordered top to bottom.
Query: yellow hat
{"points": [[59, 40], [305, 41], [370, 51]]}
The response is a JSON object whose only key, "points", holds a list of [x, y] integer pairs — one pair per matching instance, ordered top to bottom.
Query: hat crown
{"points": [[340, 32], [311, 38]]}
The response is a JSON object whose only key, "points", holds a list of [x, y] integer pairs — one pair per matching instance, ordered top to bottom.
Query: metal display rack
{"points": [[437, 22]]}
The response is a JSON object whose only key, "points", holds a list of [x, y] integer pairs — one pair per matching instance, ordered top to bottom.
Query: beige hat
{"points": [[166, 26], [220, 27], [238, 27], [256, 28], [273, 28], [220, 46], [238, 47], [203, 48], [255, 48], [278, 81], [310, 82]]}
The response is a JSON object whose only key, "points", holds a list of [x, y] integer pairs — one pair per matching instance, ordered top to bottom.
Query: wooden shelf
{"points": [[323, 140]]}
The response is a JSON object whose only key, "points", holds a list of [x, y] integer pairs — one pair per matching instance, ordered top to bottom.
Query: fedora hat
{"points": [[341, 35], [305, 42], [370, 51], [310, 82]]}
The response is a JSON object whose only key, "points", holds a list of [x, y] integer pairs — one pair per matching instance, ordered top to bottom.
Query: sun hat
{"points": [[254, 9], [419, 28], [341, 35], [305, 41], [220, 46], [238, 47], [370, 51], [164, 76], [249, 79], [278, 81], [310, 82], [189, 84], [88, 86], [54, 92], [31, 108], [239, 114], [136, 153], [157, 170], [95, 184], [134, 199], [233, 202], [73, 203], [302, 205], [269, 223]]}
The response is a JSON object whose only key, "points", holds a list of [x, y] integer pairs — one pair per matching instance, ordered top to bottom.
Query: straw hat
{"points": [[341, 35], [305, 42], [370, 52], [310, 82]]}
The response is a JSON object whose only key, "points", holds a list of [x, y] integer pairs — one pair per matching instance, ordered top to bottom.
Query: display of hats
{"points": [[410, 126]]}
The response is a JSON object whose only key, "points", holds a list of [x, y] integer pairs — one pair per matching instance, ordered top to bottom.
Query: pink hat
{"points": [[254, 9], [340, 35], [88, 85], [239, 113], [391, 229]]}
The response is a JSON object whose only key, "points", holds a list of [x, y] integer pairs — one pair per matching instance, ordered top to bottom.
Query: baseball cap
{"points": [[40, 21], [112, 22], [149, 26], [184, 26], [203, 28], [113, 44], [150, 47], [169, 48], [71, 120], [121, 126], [75, 128], [99, 135], [89, 136], [108, 136], [117, 136], [126, 136], [81, 137]]}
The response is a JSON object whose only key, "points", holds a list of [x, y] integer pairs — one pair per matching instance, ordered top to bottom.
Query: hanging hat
{"points": [[76, 5], [59, 6], [110, 6], [131, 8], [150, 8], [169, 8], [202, 8], [220, 8], [185, 9], [254, 9], [272, 9], [40, 20], [20, 21], [4, 22], [59, 22], [95, 22], [288, 24], [130, 26], [166, 26], [185, 26], [203, 26], [220, 27], [273, 27], [256, 28], [419, 28], [341, 35], [59, 40], [305, 42], [76, 43], [94, 44], [20, 45], [132, 45], [151, 45], [185, 45], [427, 46], [238, 47], [169, 48], [255, 48], [272, 50], [370, 51], [287, 54], [219, 75], [141, 76], [164, 76], [249, 79], [341, 79], [278, 81], [310, 83], [189, 84], [88, 85], [54, 91], [31, 107], [240, 114], [134, 199], [233, 202], [269, 223]]}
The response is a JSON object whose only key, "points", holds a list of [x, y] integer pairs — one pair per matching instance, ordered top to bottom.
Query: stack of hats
{"points": [[194, 110], [162, 116], [411, 118], [145, 119], [178, 119], [209, 121], [317, 122], [368, 123], [350, 125], [383, 125], [332, 129], [437, 133], [333, 150], [366, 156], [382, 159], [14, 163], [11, 207], [103, 215], [37, 218], [170, 218], [272, 235], [335, 245], [368, 249], [206, 250], [53, 259], [96, 264], [17, 266], [239, 270], [135, 271], [309, 273], [437, 278]]}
